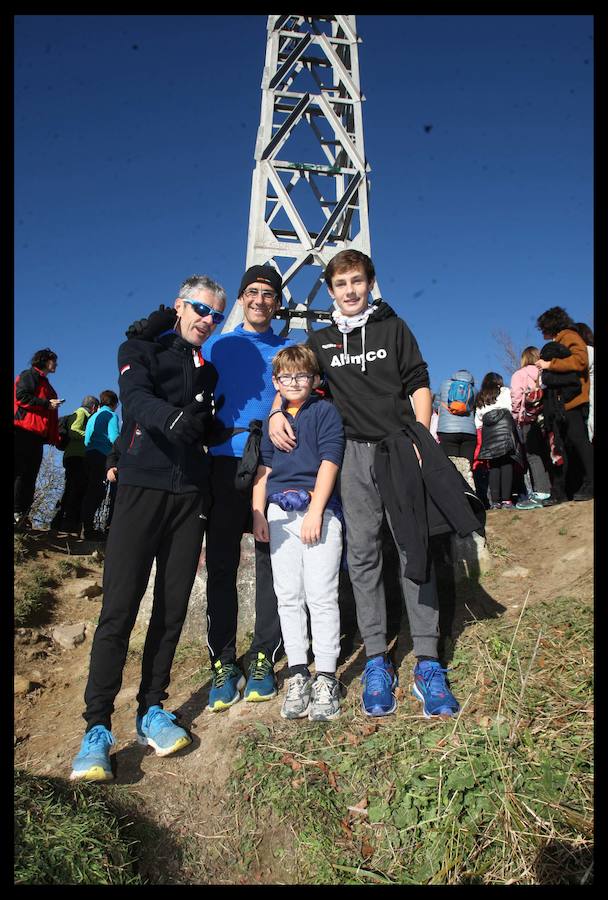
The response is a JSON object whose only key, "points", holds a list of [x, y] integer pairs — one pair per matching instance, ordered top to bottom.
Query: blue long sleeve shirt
{"points": [[244, 389], [102, 430], [319, 435]]}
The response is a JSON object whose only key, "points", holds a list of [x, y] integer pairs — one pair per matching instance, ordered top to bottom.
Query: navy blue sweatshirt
{"points": [[319, 435]]}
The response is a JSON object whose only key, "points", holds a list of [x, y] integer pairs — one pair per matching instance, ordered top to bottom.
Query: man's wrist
{"points": [[274, 412]]}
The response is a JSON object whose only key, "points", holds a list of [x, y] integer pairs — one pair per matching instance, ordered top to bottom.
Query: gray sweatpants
{"points": [[533, 442], [363, 510], [306, 576]]}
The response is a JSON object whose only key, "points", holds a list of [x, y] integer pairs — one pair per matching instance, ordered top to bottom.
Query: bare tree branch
{"points": [[509, 358], [49, 488]]}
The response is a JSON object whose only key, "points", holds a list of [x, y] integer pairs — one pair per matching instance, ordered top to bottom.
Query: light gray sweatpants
{"points": [[363, 510], [306, 576]]}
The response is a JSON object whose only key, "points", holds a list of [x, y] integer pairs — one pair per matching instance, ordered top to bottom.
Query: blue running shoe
{"points": [[379, 681], [227, 682], [261, 683], [430, 687], [156, 728], [93, 760]]}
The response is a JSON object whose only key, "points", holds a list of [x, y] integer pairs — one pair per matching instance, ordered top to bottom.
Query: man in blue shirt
{"points": [[243, 359], [103, 428]]}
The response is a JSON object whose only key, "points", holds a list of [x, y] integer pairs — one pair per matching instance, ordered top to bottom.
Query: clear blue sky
{"points": [[134, 141]]}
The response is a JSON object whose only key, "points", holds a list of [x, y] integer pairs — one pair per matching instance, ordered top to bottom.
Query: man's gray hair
{"points": [[202, 283], [89, 401]]}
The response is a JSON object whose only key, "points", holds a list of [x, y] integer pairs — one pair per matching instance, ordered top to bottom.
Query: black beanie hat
{"points": [[262, 273]]}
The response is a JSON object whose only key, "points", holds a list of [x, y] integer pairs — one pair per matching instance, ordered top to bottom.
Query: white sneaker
{"points": [[539, 495], [297, 699], [325, 700]]}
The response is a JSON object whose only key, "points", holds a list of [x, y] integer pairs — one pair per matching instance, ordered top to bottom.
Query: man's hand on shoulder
{"points": [[162, 319], [281, 433]]}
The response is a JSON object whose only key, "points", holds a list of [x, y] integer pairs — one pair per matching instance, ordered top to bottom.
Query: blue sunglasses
{"points": [[201, 309]]}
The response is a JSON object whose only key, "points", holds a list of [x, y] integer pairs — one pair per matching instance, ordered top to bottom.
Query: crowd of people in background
{"points": [[85, 438], [528, 444], [309, 447]]}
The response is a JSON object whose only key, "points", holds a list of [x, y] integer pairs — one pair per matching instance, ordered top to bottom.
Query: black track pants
{"points": [[458, 444], [578, 447], [28, 458], [95, 465], [501, 478], [75, 488], [229, 518], [146, 524]]}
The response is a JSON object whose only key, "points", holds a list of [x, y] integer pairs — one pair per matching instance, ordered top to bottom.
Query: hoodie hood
{"points": [[382, 310], [463, 375]]}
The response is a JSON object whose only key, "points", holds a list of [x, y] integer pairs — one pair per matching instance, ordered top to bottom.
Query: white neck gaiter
{"points": [[346, 324]]}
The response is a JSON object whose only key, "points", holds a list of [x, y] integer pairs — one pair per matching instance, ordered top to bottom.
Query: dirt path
{"points": [[538, 553]]}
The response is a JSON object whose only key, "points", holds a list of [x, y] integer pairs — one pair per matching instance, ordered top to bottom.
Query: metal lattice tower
{"points": [[309, 187]]}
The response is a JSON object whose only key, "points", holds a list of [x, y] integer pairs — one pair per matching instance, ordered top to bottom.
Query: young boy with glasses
{"points": [[303, 527]]}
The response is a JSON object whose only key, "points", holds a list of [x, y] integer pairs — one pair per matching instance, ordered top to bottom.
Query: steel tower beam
{"points": [[309, 193]]}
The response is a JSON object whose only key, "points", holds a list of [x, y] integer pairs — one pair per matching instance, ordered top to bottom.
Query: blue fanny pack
{"points": [[290, 500]]}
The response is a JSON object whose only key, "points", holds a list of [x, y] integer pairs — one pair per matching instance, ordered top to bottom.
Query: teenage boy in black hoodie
{"points": [[373, 367]]}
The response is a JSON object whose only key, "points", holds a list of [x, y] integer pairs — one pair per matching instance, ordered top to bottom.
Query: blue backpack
{"points": [[460, 398]]}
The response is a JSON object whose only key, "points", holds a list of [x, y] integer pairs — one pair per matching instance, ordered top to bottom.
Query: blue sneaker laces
{"points": [[433, 675], [376, 678], [156, 712], [99, 734]]}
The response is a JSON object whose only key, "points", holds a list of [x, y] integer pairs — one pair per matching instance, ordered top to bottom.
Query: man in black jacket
{"points": [[166, 391]]}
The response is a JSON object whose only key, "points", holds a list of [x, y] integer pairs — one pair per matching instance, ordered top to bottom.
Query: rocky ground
{"points": [[533, 555]]}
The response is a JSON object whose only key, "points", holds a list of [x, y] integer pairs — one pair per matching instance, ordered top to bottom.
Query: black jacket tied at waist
{"points": [[426, 500]]}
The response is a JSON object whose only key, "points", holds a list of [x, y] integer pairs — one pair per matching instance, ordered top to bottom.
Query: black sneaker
{"points": [[585, 493], [68, 527], [97, 536]]}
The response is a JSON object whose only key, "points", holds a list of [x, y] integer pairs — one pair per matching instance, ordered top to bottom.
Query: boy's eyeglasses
{"points": [[267, 296], [202, 309], [299, 378]]}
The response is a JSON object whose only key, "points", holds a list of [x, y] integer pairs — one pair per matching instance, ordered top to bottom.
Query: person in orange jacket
{"points": [[556, 325], [35, 424]]}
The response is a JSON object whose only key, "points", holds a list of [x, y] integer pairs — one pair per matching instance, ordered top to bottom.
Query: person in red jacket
{"points": [[35, 421]]}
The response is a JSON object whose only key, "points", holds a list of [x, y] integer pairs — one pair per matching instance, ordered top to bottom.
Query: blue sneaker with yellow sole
{"points": [[261, 683], [226, 684], [431, 688], [157, 730], [93, 760]]}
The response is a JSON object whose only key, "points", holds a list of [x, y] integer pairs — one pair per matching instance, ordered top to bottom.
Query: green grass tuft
{"points": [[32, 596], [69, 835]]}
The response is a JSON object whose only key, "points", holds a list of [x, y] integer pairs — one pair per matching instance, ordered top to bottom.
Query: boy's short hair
{"points": [[346, 260], [297, 358]]}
